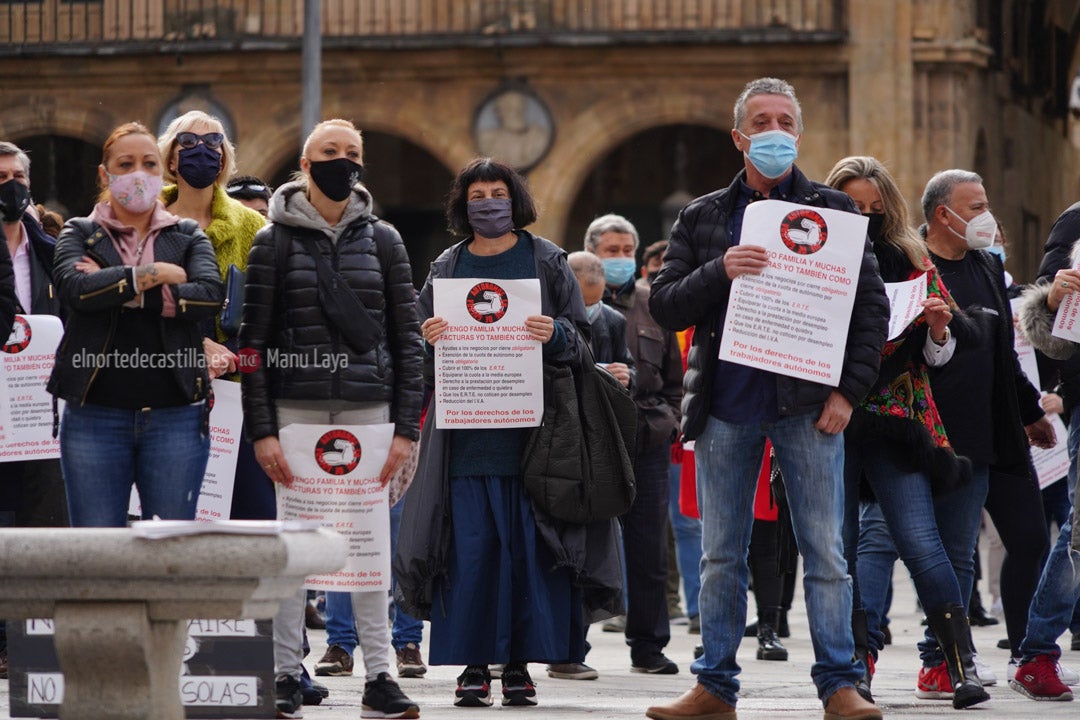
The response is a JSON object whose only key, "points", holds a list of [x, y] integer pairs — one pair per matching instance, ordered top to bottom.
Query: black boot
{"points": [[977, 616], [950, 626], [860, 634], [769, 647]]}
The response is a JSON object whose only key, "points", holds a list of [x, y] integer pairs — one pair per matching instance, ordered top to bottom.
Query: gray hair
{"points": [[767, 86], [7, 148], [939, 190], [605, 224], [588, 268]]}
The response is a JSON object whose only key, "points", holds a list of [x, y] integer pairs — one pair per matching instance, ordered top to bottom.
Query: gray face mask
{"points": [[491, 217]]}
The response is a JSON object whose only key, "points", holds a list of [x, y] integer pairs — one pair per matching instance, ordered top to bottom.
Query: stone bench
{"points": [[120, 603]]}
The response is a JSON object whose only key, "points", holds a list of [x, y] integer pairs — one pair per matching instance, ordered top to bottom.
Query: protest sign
{"points": [[905, 303], [793, 317], [488, 368], [26, 408], [335, 472], [228, 669]]}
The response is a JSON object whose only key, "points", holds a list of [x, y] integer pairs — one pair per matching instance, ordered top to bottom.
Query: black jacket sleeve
{"points": [[7, 289], [685, 292], [257, 326], [403, 336]]}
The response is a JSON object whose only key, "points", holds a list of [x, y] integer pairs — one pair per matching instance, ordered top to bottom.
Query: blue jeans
{"points": [[104, 451], [728, 458], [906, 503], [958, 515], [687, 543], [1051, 610], [341, 624]]}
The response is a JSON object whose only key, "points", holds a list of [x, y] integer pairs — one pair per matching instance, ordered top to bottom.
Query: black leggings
{"points": [[1015, 506]]}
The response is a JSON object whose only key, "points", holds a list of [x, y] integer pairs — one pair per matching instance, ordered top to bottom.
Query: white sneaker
{"points": [[1010, 669], [986, 675], [1068, 675]]}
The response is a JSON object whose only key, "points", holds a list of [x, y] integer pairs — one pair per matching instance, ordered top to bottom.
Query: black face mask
{"points": [[335, 178], [14, 199], [874, 228]]}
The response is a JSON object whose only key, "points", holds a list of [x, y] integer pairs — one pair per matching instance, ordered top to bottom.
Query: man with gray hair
{"points": [[658, 392], [731, 409], [991, 413]]}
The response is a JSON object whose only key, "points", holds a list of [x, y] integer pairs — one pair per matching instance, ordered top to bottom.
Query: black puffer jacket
{"points": [[692, 288], [93, 301], [299, 347]]}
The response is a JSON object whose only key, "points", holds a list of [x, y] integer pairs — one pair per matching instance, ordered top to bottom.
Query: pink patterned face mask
{"points": [[135, 191]]}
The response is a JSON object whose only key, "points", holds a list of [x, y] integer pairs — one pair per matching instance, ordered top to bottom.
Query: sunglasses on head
{"points": [[188, 140]]}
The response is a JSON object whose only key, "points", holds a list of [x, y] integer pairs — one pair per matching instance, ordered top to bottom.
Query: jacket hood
{"points": [[290, 206]]}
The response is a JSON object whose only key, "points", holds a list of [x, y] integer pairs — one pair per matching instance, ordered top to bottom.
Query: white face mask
{"points": [[980, 230]]}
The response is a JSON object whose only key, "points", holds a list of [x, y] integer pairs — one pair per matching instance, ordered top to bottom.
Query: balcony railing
{"points": [[114, 26]]}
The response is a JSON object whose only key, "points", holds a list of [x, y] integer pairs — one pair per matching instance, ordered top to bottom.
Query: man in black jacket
{"points": [[657, 394], [730, 409], [990, 410], [33, 491]]}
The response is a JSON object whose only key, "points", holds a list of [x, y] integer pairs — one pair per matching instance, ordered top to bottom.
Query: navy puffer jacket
{"points": [[692, 288]]}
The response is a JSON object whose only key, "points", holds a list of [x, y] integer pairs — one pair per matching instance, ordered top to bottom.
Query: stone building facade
{"points": [[610, 105]]}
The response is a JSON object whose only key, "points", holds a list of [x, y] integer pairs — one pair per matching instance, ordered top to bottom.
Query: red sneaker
{"points": [[1038, 679], [934, 684]]}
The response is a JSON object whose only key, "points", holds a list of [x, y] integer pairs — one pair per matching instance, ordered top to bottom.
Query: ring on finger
{"points": [[1064, 283]]}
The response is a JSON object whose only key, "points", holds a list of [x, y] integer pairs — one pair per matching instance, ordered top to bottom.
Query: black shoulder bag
{"points": [[340, 304]]}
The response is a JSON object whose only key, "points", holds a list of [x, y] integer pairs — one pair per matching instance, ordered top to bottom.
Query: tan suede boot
{"points": [[695, 704], [847, 704]]}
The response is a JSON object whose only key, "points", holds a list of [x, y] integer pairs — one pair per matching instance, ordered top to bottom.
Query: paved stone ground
{"points": [[770, 690]]}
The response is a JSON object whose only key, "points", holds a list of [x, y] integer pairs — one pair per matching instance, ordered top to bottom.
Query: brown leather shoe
{"points": [[695, 704], [847, 704]]}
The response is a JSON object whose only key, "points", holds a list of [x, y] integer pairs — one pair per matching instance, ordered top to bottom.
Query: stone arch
{"points": [[69, 118], [592, 134]]}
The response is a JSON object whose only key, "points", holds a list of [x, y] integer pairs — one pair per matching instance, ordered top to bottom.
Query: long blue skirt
{"points": [[504, 601]]}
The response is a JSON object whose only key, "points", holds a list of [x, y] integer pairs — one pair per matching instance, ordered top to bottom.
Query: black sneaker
{"points": [[655, 664], [473, 687], [518, 688], [313, 692], [288, 697], [384, 699]]}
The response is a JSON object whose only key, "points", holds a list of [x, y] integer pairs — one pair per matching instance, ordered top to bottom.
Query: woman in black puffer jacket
{"points": [[304, 362]]}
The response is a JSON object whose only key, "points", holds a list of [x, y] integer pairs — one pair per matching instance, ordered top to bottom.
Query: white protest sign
{"points": [[905, 303], [793, 318], [1067, 320], [1025, 351], [488, 368], [26, 415], [226, 427], [1052, 464], [336, 483]]}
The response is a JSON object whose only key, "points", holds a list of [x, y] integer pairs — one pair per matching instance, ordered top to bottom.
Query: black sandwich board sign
{"points": [[228, 669]]}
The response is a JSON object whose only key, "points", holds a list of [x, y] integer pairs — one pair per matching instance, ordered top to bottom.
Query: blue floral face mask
{"points": [[772, 152], [618, 271]]}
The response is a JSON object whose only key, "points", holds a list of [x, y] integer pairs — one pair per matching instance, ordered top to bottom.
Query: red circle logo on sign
{"points": [[804, 231], [487, 302], [20, 336], [338, 452]]}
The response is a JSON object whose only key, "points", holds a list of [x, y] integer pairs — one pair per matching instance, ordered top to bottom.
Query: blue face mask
{"points": [[772, 152], [199, 166], [998, 250], [618, 271], [593, 311]]}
